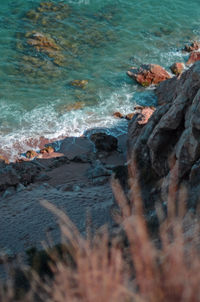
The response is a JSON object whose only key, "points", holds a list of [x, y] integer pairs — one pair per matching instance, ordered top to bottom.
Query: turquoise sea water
{"points": [[98, 41]]}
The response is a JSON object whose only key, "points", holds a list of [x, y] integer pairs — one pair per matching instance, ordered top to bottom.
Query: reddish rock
{"points": [[192, 47], [194, 57], [177, 68], [149, 74], [118, 114], [145, 115], [129, 116], [47, 150], [31, 154], [4, 159]]}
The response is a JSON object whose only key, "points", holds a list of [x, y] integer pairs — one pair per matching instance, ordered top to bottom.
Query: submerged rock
{"points": [[42, 42], [177, 68], [150, 74], [79, 83], [75, 106]]}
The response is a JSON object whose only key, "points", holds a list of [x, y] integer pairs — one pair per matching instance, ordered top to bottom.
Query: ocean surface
{"points": [[97, 41]]}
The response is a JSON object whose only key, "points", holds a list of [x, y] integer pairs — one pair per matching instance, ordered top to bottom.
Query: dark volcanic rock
{"points": [[170, 140], [104, 142], [18, 173]]}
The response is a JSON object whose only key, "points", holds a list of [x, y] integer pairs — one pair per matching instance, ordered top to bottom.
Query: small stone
{"points": [[118, 115], [129, 116], [47, 150], [31, 154], [20, 187], [66, 188], [76, 188], [8, 192]]}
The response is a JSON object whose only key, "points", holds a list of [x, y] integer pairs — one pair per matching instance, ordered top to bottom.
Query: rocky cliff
{"points": [[169, 144]]}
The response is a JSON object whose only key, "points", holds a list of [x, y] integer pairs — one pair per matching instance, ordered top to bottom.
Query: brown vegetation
{"points": [[154, 269]]}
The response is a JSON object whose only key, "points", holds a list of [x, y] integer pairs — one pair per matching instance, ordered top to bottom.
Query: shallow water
{"points": [[98, 41]]}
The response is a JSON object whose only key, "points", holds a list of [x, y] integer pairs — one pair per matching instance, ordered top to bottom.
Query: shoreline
{"points": [[75, 179]]}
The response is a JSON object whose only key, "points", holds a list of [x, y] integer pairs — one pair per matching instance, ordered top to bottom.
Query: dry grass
{"points": [[168, 271]]}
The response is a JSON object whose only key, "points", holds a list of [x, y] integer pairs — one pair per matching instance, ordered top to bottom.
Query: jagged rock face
{"points": [[171, 138]]}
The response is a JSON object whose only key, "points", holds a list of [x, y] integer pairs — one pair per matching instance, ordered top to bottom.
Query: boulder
{"points": [[192, 47], [194, 57], [177, 68], [150, 74], [118, 114], [104, 142], [47, 150], [31, 154]]}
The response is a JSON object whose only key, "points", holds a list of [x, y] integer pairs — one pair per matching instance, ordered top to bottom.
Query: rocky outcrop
{"points": [[193, 46], [194, 57], [150, 74], [144, 111], [171, 138]]}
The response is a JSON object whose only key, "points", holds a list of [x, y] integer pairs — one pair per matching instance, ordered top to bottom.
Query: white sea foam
{"points": [[47, 122]]}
